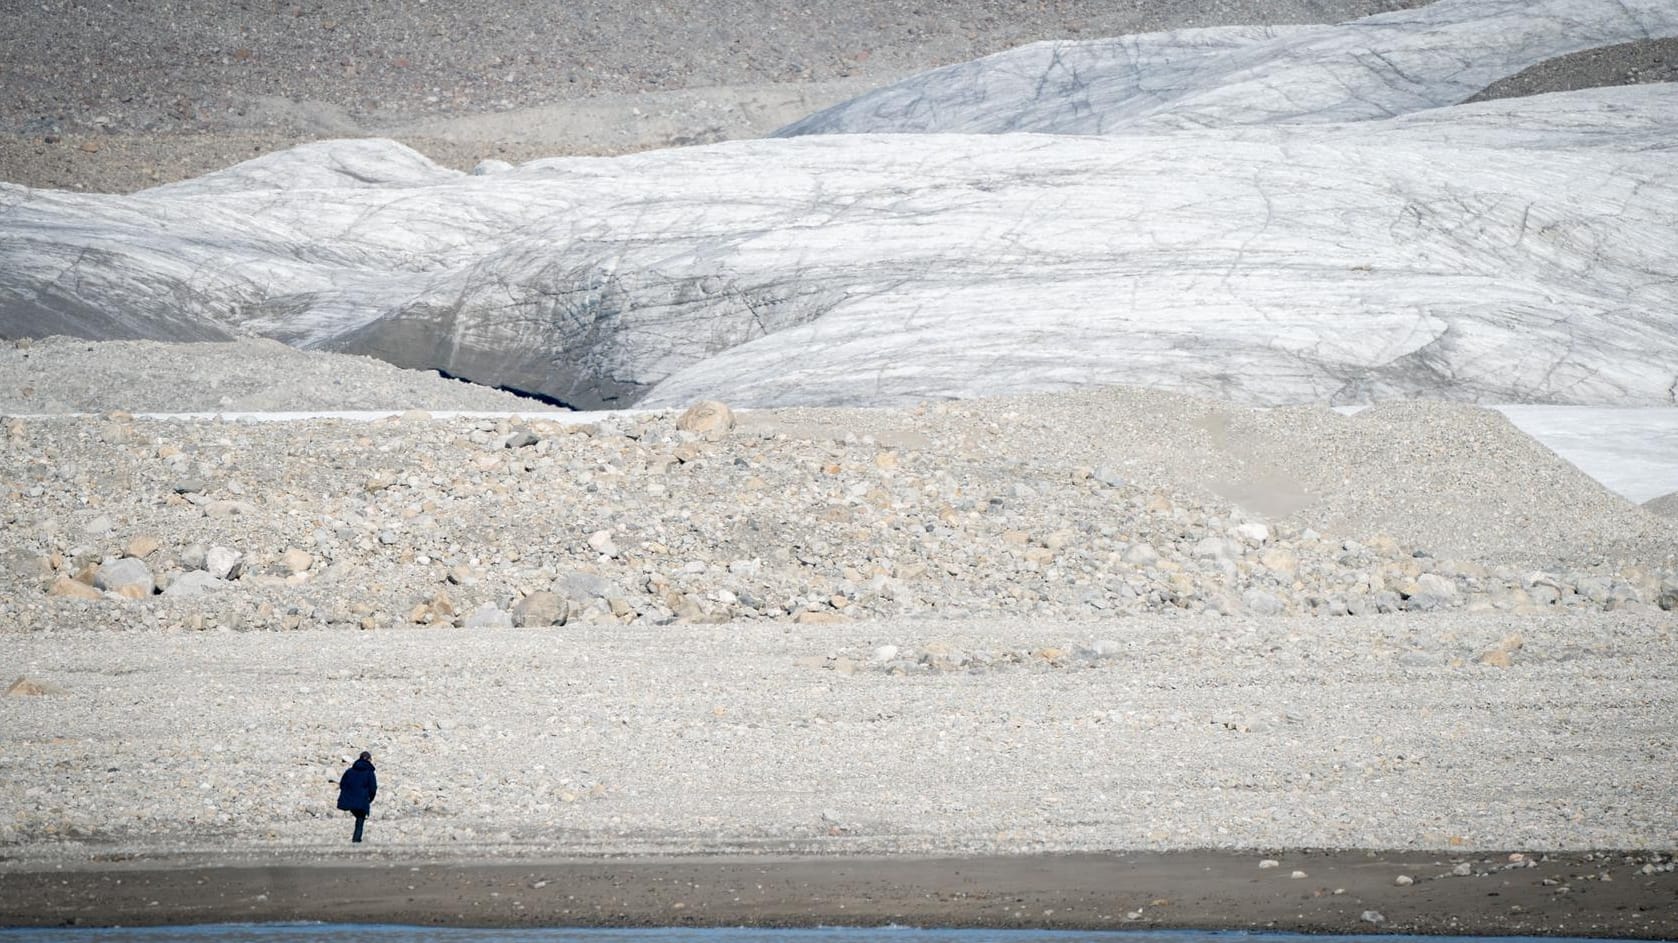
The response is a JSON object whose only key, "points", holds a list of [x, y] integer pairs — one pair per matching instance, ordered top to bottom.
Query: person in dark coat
{"points": [[356, 789]]}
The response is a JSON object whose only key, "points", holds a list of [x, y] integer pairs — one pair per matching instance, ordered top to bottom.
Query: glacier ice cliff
{"points": [[1270, 215]]}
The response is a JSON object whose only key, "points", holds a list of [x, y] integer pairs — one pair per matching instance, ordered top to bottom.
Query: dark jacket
{"points": [[357, 787]]}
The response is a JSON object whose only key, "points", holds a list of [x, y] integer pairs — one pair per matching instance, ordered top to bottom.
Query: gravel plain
{"points": [[1143, 733]]}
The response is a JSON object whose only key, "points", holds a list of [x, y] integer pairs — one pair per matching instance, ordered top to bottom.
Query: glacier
{"points": [[1377, 67], [1268, 215]]}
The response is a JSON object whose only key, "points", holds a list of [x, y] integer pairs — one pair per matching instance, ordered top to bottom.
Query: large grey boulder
{"points": [[126, 576]]}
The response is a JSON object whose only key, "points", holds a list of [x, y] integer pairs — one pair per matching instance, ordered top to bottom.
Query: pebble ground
{"points": [[1148, 732]]}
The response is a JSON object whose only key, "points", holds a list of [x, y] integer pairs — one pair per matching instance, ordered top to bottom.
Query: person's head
{"points": [[366, 756]]}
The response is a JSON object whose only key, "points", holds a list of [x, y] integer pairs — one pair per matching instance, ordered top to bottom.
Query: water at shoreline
{"points": [[391, 933]]}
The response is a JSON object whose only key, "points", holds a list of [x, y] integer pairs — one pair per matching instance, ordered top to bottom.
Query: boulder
{"points": [[706, 417], [296, 561], [223, 563], [125, 576], [193, 583], [541, 609]]}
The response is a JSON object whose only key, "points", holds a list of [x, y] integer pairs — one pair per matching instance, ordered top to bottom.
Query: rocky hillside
{"points": [[984, 507]]}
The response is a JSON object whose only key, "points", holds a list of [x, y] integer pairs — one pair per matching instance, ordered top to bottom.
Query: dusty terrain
{"points": [[116, 99]]}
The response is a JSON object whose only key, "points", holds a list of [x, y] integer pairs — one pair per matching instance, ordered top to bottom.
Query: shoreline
{"points": [[1562, 894]]}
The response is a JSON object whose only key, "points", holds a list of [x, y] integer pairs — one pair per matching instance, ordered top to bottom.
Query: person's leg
{"points": [[360, 820]]}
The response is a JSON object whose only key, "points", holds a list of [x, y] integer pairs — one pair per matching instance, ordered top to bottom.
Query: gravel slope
{"points": [[1636, 63], [206, 64], [119, 98], [986, 506]]}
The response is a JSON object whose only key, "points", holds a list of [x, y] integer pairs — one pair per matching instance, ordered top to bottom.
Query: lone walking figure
{"points": [[356, 789]]}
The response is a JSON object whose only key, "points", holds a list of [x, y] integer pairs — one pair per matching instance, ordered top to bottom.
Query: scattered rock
{"points": [[782, 523]]}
